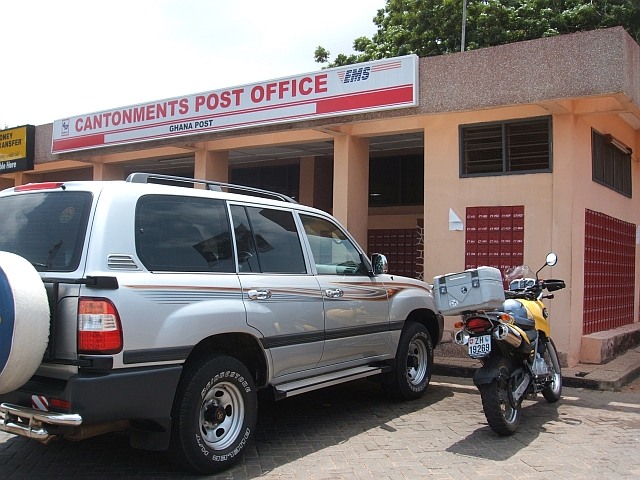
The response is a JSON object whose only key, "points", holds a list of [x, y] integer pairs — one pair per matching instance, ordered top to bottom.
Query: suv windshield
{"points": [[45, 228]]}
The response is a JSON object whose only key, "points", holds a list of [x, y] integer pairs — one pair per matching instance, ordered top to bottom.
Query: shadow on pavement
{"points": [[286, 430], [484, 443]]}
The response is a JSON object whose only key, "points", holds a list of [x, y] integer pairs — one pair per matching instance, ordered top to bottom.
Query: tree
{"points": [[434, 27]]}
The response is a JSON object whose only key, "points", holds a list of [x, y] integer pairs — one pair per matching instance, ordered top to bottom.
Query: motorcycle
{"points": [[514, 345]]}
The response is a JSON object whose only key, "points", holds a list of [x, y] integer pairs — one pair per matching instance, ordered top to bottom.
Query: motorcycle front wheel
{"points": [[553, 390], [499, 409]]}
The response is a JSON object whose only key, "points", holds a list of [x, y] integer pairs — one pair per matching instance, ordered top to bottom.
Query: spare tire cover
{"points": [[24, 321]]}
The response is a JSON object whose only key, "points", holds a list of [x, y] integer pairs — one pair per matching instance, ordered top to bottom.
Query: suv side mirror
{"points": [[380, 264]]}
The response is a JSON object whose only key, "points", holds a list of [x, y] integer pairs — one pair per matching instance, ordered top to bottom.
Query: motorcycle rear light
{"points": [[478, 325], [99, 328]]}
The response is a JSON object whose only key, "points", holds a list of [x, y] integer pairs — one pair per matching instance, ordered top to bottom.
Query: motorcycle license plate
{"points": [[479, 346]]}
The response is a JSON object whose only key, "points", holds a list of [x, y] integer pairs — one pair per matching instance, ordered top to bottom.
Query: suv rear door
{"points": [[46, 224], [190, 287]]}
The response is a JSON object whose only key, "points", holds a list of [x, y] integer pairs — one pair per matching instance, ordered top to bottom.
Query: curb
{"points": [[453, 370], [575, 379], [596, 383]]}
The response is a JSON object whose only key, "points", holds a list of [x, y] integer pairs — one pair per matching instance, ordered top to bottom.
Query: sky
{"points": [[68, 58]]}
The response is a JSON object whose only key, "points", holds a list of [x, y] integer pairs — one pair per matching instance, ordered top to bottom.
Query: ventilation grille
{"points": [[518, 146], [121, 262]]}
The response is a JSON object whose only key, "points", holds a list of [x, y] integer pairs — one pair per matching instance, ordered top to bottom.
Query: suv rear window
{"points": [[46, 228]]}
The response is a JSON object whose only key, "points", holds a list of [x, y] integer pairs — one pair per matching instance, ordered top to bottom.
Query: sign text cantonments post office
{"points": [[371, 86]]}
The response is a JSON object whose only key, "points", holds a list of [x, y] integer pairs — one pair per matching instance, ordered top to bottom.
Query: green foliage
{"points": [[434, 27], [321, 54]]}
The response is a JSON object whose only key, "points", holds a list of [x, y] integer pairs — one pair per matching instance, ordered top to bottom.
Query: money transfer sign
{"points": [[363, 87], [17, 149]]}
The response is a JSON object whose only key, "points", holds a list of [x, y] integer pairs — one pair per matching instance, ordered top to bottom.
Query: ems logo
{"points": [[362, 73], [354, 74], [65, 127]]}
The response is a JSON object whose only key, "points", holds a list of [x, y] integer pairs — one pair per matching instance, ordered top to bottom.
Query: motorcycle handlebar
{"points": [[553, 284], [534, 292]]}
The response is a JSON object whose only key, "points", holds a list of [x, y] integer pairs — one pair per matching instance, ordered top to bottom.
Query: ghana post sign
{"points": [[363, 87], [17, 149]]}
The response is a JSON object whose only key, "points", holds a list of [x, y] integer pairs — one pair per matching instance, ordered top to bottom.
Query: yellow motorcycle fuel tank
{"points": [[539, 313]]}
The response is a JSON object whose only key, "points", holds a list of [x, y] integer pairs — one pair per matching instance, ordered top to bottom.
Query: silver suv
{"points": [[167, 308]]}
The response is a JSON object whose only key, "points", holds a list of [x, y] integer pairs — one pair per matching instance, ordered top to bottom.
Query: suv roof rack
{"points": [[139, 177]]}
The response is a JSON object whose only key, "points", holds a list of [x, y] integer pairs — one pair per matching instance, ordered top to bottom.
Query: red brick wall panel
{"points": [[609, 272]]}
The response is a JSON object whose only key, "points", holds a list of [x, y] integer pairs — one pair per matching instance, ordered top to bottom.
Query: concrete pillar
{"points": [[572, 145], [212, 165], [108, 171], [22, 178], [307, 180], [6, 183], [351, 185]]}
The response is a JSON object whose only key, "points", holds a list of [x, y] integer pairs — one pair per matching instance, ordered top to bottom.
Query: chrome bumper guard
{"points": [[31, 423]]}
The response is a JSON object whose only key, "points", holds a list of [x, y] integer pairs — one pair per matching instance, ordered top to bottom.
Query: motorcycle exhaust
{"points": [[506, 334], [461, 337]]}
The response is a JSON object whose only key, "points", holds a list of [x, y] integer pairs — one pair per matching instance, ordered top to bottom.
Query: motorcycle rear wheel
{"points": [[553, 390], [502, 416]]}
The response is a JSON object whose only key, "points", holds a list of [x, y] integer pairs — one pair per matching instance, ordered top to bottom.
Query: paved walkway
{"points": [[351, 431]]}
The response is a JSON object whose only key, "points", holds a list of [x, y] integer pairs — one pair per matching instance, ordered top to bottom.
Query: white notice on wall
{"points": [[455, 223]]}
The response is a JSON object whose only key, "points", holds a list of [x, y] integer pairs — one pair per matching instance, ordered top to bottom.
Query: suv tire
{"points": [[24, 321], [413, 364], [214, 414]]}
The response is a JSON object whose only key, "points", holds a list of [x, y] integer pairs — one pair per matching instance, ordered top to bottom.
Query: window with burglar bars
{"points": [[517, 146], [611, 165]]}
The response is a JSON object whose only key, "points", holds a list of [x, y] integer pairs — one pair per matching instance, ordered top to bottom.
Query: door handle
{"points": [[334, 292], [259, 294]]}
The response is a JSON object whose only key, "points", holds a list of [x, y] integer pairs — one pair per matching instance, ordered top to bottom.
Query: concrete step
{"points": [[601, 347]]}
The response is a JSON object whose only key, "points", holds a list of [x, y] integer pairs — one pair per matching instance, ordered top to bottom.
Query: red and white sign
{"points": [[363, 87], [38, 402]]}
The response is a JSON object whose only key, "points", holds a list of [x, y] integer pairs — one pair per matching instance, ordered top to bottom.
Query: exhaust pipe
{"points": [[506, 334], [461, 337]]}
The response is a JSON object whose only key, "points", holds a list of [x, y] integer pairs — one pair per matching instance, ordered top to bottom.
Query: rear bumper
{"points": [[127, 394], [35, 424]]}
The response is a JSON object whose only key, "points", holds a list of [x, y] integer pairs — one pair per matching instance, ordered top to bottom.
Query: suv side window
{"points": [[183, 234], [267, 240], [333, 252]]}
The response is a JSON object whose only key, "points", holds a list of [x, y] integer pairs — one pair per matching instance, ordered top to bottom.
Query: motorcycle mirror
{"points": [[552, 259]]}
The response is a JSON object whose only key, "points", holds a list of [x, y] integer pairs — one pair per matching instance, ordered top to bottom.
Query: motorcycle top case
{"points": [[474, 289]]}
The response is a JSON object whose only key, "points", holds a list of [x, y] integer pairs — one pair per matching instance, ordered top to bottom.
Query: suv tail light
{"points": [[99, 328]]}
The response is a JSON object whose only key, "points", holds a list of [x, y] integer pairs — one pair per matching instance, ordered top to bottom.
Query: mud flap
{"points": [[489, 372], [518, 381]]}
